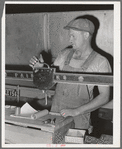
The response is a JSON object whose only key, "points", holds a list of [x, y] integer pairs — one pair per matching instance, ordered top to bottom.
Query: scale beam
{"points": [[25, 78]]}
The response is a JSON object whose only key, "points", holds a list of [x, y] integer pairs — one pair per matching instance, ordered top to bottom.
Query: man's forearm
{"points": [[94, 104]]}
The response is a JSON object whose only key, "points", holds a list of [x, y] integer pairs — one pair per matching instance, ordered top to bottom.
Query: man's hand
{"points": [[35, 62], [69, 112]]}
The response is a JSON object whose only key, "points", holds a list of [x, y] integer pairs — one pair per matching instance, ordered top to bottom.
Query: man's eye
{"points": [[72, 36]]}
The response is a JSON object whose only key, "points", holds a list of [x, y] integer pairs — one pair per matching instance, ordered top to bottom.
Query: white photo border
{"points": [[117, 63]]}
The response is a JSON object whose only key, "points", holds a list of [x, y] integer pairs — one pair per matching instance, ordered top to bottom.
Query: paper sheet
{"points": [[26, 109]]}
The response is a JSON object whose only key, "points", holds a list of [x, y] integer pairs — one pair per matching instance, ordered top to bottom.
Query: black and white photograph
{"points": [[61, 74]]}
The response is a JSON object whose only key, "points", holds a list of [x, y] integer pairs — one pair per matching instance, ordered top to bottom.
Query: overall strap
{"points": [[69, 56], [89, 60], [86, 63]]}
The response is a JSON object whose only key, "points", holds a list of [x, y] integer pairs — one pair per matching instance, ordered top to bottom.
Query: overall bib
{"points": [[71, 96]]}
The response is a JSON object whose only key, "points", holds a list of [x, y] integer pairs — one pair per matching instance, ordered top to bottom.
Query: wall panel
{"points": [[29, 34], [24, 37], [59, 37]]}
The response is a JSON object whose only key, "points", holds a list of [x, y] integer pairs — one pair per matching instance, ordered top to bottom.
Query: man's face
{"points": [[76, 39]]}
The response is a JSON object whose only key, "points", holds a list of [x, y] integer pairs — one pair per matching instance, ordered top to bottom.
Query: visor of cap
{"points": [[81, 25]]}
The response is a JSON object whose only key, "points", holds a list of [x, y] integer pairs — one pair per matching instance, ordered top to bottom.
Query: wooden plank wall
{"points": [[29, 34], [24, 37], [59, 38]]}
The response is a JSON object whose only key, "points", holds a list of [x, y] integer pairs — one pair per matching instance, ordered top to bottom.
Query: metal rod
{"points": [[18, 93]]}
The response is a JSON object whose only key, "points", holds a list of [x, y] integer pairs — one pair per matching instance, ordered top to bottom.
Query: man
{"points": [[76, 99]]}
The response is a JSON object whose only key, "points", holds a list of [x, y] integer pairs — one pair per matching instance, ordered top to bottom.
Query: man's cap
{"points": [[81, 24]]}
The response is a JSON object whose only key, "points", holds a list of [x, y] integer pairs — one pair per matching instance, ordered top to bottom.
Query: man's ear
{"points": [[86, 35]]}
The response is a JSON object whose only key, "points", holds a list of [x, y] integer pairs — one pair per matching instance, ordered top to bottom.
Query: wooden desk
{"points": [[28, 131]]}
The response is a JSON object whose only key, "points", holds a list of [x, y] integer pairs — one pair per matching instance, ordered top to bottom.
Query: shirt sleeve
{"points": [[60, 60], [101, 65], [104, 67]]}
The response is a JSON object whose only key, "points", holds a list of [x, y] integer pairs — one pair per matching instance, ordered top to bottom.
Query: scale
{"points": [[45, 78]]}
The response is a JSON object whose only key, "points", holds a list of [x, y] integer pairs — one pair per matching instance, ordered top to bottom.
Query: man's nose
{"points": [[70, 40]]}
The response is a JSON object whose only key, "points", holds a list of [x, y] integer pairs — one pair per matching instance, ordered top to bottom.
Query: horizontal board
{"points": [[23, 78], [83, 78], [27, 92], [38, 122], [22, 135]]}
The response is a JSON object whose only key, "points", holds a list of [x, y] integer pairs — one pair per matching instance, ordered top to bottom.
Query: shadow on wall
{"points": [[93, 42], [97, 49], [47, 56]]}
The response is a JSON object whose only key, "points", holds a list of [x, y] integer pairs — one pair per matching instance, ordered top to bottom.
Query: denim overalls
{"points": [[73, 95]]}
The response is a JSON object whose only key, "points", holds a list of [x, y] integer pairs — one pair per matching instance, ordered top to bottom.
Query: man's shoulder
{"points": [[62, 56], [100, 58], [100, 64]]}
